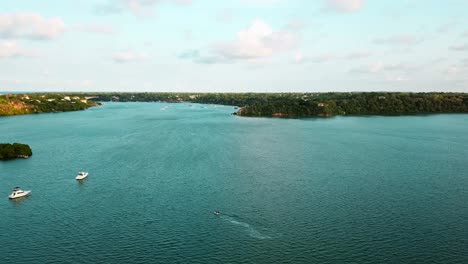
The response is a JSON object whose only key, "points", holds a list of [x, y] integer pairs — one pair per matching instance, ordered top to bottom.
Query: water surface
{"points": [[345, 189]]}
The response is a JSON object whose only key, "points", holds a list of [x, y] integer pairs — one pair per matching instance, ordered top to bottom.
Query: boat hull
{"points": [[82, 177], [25, 193]]}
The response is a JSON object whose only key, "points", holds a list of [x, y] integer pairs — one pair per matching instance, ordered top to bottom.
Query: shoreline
{"points": [[271, 105]]}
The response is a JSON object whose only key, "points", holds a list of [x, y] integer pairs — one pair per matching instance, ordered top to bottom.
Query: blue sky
{"points": [[234, 45]]}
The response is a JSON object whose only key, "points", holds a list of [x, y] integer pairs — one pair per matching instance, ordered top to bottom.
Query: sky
{"points": [[234, 45]]}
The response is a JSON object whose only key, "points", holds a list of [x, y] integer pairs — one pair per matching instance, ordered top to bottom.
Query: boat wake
{"points": [[250, 229]]}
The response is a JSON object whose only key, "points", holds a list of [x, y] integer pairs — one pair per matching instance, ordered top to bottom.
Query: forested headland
{"points": [[21, 104], [256, 104], [312, 104], [14, 151]]}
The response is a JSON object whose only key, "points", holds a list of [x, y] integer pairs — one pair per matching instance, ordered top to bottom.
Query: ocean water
{"points": [[337, 190]]}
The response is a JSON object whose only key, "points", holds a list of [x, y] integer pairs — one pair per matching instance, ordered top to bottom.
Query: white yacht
{"points": [[81, 175], [17, 193]]}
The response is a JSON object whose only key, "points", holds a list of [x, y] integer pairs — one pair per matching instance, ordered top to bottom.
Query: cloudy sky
{"points": [[234, 45]]}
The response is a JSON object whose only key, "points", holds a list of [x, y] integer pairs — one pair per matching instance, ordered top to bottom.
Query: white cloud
{"points": [[262, 2], [344, 5], [137, 7], [144, 7], [225, 16], [30, 25], [296, 25], [447, 27], [95, 28], [188, 35], [406, 39], [259, 40], [459, 47], [9, 49], [357, 55], [128, 56], [329, 56], [199, 57], [325, 57], [299, 58], [465, 62], [380, 67], [374, 68], [388, 72], [454, 72], [396, 78], [87, 83]]}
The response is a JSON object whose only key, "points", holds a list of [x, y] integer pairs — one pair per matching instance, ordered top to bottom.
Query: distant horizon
{"points": [[234, 45], [227, 92]]}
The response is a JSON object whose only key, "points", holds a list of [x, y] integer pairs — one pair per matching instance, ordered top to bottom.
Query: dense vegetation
{"points": [[19, 104], [257, 104], [312, 104], [14, 151]]}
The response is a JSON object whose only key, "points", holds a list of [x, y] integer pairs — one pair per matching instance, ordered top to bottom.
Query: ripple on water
{"points": [[359, 190], [250, 230]]}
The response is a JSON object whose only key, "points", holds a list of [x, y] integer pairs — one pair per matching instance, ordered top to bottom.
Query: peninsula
{"points": [[21, 104], [257, 104], [312, 104], [14, 151]]}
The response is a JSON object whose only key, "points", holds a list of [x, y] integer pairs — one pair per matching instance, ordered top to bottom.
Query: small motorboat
{"points": [[81, 175], [17, 193], [217, 212]]}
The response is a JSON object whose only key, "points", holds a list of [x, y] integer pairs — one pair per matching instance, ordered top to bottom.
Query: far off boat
{"points": [[81, 175], [18, 193]]}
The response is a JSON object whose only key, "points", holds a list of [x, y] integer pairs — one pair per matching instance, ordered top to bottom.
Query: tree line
{"points": [[20, 104], [256, 104], [312, 104]]}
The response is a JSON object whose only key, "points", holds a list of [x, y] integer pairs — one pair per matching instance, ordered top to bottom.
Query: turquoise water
{"points": [[345, 189]]}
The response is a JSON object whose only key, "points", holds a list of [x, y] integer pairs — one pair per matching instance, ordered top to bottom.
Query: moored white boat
{"points": [[81, 175], [17, 193]]}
